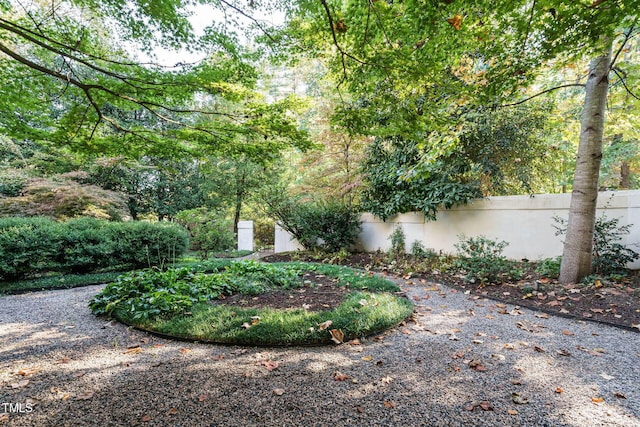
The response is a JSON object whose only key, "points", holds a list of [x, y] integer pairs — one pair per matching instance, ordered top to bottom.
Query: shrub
{"points": [[63, 199], [328, 226], [209, 230], [397, 242], [31, 246], [483, 261], [549, 267]]}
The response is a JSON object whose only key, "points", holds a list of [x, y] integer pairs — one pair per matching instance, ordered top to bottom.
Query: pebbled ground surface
{"points": [[463, 361]]}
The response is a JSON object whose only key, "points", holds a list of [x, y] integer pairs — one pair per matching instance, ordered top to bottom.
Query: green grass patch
{"points": [[57, 281], [184, 304]]}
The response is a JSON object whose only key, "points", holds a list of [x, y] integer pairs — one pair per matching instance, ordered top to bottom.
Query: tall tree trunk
{"points": [[578, 245]]}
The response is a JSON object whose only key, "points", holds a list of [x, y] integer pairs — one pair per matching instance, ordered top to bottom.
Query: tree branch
{"points": [[627, 37], [624, 83], [542, 93]]}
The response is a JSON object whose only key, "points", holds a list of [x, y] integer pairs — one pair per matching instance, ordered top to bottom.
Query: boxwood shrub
{"points": [[32, 246]]}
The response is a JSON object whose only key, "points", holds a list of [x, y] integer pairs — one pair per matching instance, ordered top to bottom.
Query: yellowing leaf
{"points": [[455, 21], [367, 358], [597, 400], [512, 412]]}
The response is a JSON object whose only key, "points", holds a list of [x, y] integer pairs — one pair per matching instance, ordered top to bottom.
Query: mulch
{"points": [[616, 303]]}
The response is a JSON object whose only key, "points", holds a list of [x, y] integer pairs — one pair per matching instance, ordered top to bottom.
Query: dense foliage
{"points": [[326, 225], [209, 230], [32, 246], [482, 260]]}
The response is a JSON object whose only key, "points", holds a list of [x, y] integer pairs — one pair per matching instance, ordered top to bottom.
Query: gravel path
{"points": [[463, 362]]}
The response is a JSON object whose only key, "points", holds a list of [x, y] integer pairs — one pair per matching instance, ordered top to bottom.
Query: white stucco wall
{"points": [[525, 222]]}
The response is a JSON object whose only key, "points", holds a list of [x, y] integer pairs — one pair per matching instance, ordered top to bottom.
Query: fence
{"points": [[525, 222]]}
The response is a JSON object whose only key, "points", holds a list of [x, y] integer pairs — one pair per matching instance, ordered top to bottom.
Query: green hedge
{"points": [[30, 246]]}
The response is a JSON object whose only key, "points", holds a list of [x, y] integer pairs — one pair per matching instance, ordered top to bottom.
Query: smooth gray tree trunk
{"points": [[578, 245]]}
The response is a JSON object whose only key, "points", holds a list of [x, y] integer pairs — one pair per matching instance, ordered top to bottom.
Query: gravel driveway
{"points": [[463, 362]]}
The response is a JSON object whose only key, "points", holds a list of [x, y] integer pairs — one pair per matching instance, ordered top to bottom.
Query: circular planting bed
{"points": [[253, 303]]}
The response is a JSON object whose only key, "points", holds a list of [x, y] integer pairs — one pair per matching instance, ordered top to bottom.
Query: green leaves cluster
{"points": [[32, 246], [482, 260], [150, 294]]}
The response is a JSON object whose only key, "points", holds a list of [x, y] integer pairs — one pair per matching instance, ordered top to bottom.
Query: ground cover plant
{"points": [[614, 299], [254, 303]]}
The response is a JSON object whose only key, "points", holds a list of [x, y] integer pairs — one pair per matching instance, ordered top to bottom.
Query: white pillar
{"points": [[245, 235], [284, 242]]}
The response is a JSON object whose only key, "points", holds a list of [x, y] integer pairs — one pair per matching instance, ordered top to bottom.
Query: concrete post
{"points": [[245, 235]]}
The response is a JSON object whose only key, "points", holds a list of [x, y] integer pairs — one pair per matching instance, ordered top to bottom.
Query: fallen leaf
{"points": [[455, 21], [597, 310], [542, 315], [255, 320], [245, 325], [324, 325], [567, 333], [337, 336], [355, 341], [538, 349], [133, 350], [184, 350], [562, 352], [367, 358], [64, 360], [270, 364], [477, 366], [28, 371], [79, 374], [339, 376], [607, 377], [559, 390], [278, 391], [619, 395], [203, 397], [518, 399], [597, 400], [389, 404], [486, 405], [360, 409], [172, 411], [512, 412], [145, 419]]}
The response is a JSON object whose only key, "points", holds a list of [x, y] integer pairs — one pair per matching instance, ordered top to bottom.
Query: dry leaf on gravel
{"points": [[337, 336], [269, 364], [28, 371], [339, 376], [278, 391], [389, 405]]}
